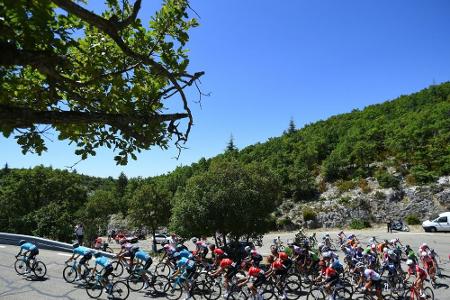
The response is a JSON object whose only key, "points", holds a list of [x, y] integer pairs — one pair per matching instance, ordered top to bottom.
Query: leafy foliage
{"points": [[98, 80], [229, 198], [412, 220], [359, 224]]}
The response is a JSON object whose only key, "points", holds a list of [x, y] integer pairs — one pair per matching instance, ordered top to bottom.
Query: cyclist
{"points": [[341, 237], [30, 249], [125, 252], [86, 255], [143, 257], [256, 258], [429, 265], [105, 267], [230, 269], [185, 270], [421, 275], [255, 277], [330, 277], [372, 278]]}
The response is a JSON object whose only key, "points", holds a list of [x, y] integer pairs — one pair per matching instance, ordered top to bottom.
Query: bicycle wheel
{"points": [[20, 266], [39, 269], [117, 269], [163, 269], [69, 274], [135, 282], [159, 284], [94, 288], [120, 290], [173, 290], [211, 290], [293, 290], [315, 294], [342, 294], [237, 295], [429, 295]]}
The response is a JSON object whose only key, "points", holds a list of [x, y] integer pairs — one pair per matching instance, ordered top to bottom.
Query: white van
{"points": [[442, 223]]}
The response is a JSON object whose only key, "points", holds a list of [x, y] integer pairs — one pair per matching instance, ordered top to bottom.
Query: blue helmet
{"points": [[21, 242]]}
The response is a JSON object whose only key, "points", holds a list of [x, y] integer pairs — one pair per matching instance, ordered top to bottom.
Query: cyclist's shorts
{"points": [[34, 252], [85, 258], [148, 263], [108, 270], [231, 273], [259, 280], [332, 280], [377, 284]]}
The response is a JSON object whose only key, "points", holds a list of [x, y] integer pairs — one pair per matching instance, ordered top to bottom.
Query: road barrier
{"points": [[13, 239]]}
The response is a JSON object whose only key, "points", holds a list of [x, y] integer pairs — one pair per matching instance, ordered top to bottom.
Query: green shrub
{"points": [[422, 175], [387, 180], [345, 185], [380, 195], [345, 200], [309, 214], [412, 219], [359, 224]]}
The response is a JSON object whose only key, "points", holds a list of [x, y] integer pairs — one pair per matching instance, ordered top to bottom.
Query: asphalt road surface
{"points": [[13, 286]]}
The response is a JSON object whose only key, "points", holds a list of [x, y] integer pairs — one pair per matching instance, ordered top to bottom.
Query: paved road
{"points": [[54, 287]]}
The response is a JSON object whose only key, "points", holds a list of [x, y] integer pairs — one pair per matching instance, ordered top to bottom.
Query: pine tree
{"points": [[291, 129], [231, 147]]}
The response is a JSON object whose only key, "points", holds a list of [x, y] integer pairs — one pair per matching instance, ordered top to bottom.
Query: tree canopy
{"points": [[96, 79], [228, 198]]}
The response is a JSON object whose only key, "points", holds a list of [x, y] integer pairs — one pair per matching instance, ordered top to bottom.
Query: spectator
{"points": [[389, 225], [79, 233]]}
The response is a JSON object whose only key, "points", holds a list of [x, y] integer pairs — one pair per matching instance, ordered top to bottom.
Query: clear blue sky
{"points": [[268, 61]]}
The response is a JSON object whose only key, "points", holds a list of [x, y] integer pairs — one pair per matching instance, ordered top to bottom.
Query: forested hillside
{"points": [[404, 140]]}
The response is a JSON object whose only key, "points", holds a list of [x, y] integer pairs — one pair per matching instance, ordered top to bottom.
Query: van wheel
{"points": [[433, 229]]}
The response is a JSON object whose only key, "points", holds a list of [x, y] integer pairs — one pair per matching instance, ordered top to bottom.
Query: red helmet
{"points": [[218, 252], [283, 255], [226, 262], [277, 265]]}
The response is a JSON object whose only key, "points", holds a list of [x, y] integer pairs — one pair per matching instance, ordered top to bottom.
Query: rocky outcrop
{"points": [[375, 204]]}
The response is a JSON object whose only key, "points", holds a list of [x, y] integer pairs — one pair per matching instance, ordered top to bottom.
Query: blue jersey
{"points": [[28, 247], [80, 250], [185, 253], [142, 255], [102, 261], [187, 263]]}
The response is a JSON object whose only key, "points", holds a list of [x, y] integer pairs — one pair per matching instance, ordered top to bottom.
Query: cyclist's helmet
{"points": [[194, 240], [22, 242], [305, 243], [76, 245], [166, 246], [134, 249], [248, 249], [325, 249], [385, 250], [219, 252], [391, 252], [424, 253], [97, 254], [326, 254], [176, 255], [283, 256], [226, 262], [409, 262]]}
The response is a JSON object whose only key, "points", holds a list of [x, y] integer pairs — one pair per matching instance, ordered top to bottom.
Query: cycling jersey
{"points": [[28, 247], [80, 250], [185, 253], [142, 255], [314, 256], [102, 261], [186, 263], [255, 272], [330, 272], [420, 272], [371, 275]]}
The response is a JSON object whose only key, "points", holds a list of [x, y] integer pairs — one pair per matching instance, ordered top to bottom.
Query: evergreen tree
{"points": [[291, 128], [231, 147]]}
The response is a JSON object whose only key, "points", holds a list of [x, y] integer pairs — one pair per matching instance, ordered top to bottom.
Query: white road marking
{"points": [[1, 246], [65, 254]]}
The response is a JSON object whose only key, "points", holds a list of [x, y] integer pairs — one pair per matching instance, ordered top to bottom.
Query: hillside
{"points": [[390, 159]]}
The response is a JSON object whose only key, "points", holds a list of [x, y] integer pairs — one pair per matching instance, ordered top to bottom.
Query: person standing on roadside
{"points": [[389, 225], [79, 233]]}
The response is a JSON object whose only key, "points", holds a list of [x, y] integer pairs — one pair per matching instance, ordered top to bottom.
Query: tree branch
{"points": [[21, 117]]}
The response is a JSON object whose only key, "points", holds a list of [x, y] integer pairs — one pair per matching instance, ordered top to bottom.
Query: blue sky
{"points": [[267, 61]]}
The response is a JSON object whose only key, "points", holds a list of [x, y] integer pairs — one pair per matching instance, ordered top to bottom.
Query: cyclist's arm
{"points": [[72, 258]]}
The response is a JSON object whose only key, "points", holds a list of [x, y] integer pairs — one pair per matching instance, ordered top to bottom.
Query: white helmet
{"points": [[385, 250], [424, 253], [326, 254], [409, 262]]}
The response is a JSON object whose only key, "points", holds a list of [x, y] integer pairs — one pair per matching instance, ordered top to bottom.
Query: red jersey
{"points": [[255, 272]]}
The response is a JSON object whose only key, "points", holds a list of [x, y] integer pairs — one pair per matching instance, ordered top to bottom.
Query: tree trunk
{"points": [[215, 239], [154, 240], [224, 240]]}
